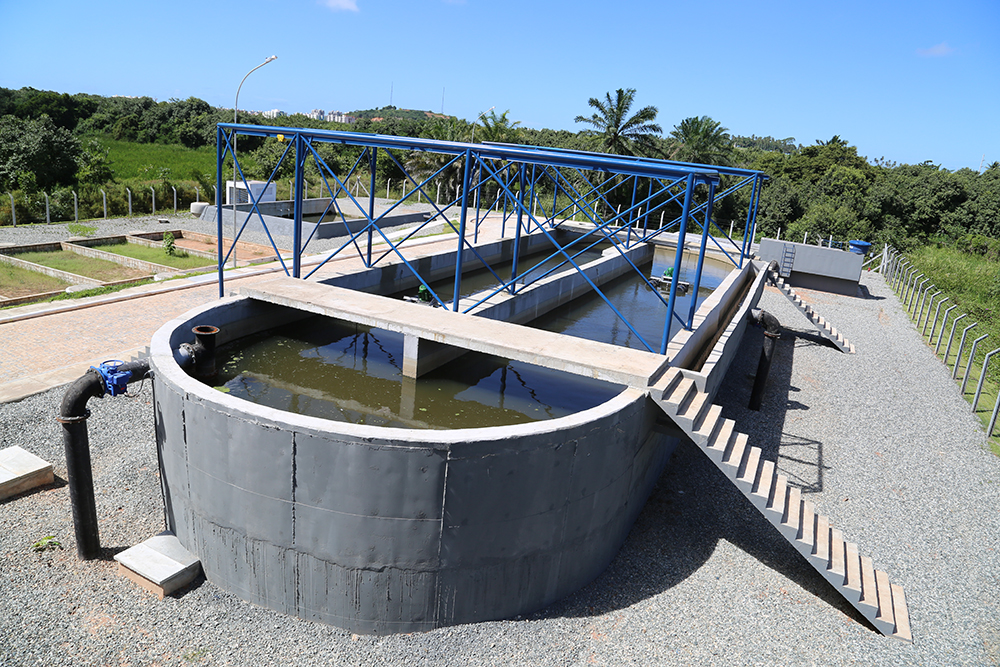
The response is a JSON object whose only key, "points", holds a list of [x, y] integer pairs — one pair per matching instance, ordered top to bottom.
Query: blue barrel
{"points": [[860, 247]]}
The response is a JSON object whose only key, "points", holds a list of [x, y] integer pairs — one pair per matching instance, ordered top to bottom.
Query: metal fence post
{"points": [[153, 190], [215, 194], [104, 198], [175, 199], [129, 202], [76, 210], [13, 213], [48, 220], [900, 269], [904, 287], [913, 291], [918, 295], [905, 296], [923, 302], [931, 305], [936, 313], [944, 323], [958, 358], [972, 358], [982, 376], [993, 419]]}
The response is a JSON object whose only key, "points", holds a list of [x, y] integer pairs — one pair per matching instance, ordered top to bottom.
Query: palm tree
{"points": [[499, 128], [619, 133], [701, 141], [422, 164]]}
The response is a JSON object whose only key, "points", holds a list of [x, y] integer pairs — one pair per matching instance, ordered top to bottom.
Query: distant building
{"points": [[274, 113], [316, 114], [340, 117]]}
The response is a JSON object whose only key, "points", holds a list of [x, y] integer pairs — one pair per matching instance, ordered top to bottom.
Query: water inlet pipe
{"points": [[772, 331], [111, 378]]}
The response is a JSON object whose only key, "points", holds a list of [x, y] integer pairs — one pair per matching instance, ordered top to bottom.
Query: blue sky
{"points": [[908, 81]]}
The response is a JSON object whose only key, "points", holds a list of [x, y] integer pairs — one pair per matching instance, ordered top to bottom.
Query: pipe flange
{"points": [[74, 420]]}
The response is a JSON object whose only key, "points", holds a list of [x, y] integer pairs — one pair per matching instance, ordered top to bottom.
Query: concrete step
{"points": [[22, 471], [811, 533]]}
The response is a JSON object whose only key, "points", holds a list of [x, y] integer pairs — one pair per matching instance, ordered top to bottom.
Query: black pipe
{"points": [[772, 331], [199, 357], [73, 414]]}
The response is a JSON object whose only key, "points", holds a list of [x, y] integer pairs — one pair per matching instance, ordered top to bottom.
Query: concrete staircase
{"points": [[828, 330], [812, 534]]}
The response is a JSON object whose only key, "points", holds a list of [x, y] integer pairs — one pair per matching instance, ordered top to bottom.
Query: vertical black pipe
{"points": [[772, 331], [73, 414]]}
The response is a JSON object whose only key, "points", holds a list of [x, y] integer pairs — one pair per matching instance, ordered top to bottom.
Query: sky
{"points": [[907, 81]]}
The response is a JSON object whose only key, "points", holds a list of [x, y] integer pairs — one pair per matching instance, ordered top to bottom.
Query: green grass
{"points": [[132, 160], [181, 260], [98, 269], [17, 282], [972, 282]]}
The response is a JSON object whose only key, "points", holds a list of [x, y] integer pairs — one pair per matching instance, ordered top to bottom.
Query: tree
{"points": [[500, 129], [616, 131], [701, 141], [38, 148]]}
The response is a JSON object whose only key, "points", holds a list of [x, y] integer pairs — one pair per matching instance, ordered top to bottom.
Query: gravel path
{"points": [[881, 441]]}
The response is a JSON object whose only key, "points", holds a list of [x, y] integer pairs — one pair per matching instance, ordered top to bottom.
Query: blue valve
{"points": [[115, 381]]}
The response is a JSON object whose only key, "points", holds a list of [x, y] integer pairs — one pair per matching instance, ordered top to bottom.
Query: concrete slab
{"points": [[602, 361], [21, 471], [160, 564]]}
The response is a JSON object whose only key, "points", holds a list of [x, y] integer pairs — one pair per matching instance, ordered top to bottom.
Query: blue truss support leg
{"points": [[220, 154], [373, 163], [300, 174], [751, 219], [631, 220], [706, 227], [461, 229], [517, 230], [678, 256]]}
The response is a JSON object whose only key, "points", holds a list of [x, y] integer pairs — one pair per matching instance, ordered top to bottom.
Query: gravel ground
{"points": [[881, 441]]}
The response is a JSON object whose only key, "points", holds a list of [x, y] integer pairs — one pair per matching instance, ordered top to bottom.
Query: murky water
{"points": [[529, 269], [591, 318], [343, 372]]}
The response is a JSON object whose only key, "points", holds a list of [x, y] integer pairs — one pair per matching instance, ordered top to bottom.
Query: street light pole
{"points": [[236, 109]]}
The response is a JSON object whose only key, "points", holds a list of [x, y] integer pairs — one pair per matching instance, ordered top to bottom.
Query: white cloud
{"points": [[341, 5], [937, 51]]}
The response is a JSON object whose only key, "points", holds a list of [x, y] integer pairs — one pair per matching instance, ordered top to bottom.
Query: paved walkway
{"points": [[51, 344]]}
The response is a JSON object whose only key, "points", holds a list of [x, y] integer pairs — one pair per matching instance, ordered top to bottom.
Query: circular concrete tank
{"points": [[381, 530]]}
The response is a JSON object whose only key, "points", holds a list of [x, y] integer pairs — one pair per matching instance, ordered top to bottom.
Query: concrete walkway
{"points": [[48, 345]]}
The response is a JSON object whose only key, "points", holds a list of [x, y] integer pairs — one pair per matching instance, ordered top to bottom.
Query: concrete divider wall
{"points": [[278, 218], [87, 249], [393, 277], [542, 296], [708, 376], [393, 530]]}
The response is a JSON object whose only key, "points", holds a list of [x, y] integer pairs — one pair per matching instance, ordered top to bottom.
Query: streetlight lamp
{"points": [[236, 109], [477, 120]]}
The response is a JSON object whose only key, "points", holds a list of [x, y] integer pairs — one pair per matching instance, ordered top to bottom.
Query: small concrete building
{"points": [[814, 267]]}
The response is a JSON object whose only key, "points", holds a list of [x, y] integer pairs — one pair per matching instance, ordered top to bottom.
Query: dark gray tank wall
{"points": [[393, 530]]}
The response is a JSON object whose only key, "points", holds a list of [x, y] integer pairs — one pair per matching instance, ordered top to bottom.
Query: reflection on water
{"points": [[529, 269], [591, 318], [345, 372]]}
